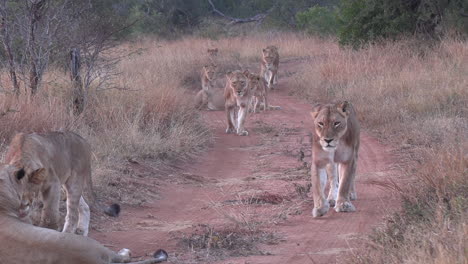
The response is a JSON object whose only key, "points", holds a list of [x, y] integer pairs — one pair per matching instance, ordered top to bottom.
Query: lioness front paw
{"points": [[230, 130], [243, 133], [345, 207], [321, 211]]}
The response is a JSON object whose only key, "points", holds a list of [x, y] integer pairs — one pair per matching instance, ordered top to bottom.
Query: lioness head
{"points": [[212, 52], [269, 55], [210, 71], [254, 81], [238, 82], [330, 122], [32, 180], [12, 186]]}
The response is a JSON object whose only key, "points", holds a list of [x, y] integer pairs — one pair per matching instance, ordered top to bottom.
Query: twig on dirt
{"points": [[2, 114]]}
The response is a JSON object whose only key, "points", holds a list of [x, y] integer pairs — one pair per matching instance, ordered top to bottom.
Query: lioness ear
{"points": [[264, 50], [246, 73], [229, 74], [343, 107], [315, 110], [37, 176]]}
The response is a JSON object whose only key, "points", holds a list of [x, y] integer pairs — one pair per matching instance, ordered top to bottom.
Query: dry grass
{"points": [[415, 98], [151, 119], [432, 227], [210, 244]]}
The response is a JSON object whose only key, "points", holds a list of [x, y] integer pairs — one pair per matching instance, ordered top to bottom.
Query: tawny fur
{"points": [[269, 65], [259, 90], [205, 97], [237, 97], [334, 150], [52, 160], [23, 243]]}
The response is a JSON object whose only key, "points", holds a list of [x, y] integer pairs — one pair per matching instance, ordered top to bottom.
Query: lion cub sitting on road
{"points": [[269, 65], [237, 95], [204, 97], [335, 148], [51, 160], [23, 243]]}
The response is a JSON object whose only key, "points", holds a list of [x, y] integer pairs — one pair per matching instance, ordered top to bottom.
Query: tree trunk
{"points": [[34, 17], [9, 55], [78, 95]]}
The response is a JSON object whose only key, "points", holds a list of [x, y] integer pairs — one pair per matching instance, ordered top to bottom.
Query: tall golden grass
{"points": [[414, 96]]}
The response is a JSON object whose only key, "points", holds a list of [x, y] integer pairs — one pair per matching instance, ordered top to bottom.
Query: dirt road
{"points": [[258, 183]]}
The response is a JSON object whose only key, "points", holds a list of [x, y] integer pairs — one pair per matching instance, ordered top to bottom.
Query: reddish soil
{"points": [[257, 182]]}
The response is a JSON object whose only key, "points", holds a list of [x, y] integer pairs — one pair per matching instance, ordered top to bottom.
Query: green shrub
{"points": [[318, 20], [365, 21]]}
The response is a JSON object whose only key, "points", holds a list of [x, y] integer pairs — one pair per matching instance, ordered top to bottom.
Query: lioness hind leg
{"points": [[255, 104], [347, 173], [74, 191], [352, 192], [84, 218]]}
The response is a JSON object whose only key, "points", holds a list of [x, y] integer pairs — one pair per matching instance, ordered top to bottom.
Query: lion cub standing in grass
{"points": [[269, 65], [237, 96], [204, 97], [335, 148]]}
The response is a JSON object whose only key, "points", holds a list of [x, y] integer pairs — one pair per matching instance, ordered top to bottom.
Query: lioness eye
{"points": [[320, 124], [337, 124]]}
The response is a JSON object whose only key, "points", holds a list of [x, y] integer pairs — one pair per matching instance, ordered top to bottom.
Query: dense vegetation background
{"points": [[38, 33]]}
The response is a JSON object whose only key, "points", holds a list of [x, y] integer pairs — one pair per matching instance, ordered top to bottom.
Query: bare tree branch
{"points": [[234, 20], [7, 46]]}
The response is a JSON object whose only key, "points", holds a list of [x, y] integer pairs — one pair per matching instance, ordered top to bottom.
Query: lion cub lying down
{"points": [[335, 148], [51, 160], [23, 243]]}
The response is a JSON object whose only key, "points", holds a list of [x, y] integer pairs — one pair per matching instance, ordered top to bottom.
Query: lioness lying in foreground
{"points": [[51, 160], [22, 243]]}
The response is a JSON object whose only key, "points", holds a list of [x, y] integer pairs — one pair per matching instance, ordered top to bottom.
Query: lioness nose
{"points": [[328, 140]]}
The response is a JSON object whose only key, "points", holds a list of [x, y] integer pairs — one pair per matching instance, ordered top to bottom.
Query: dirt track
{"points": [[265, 166]]}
